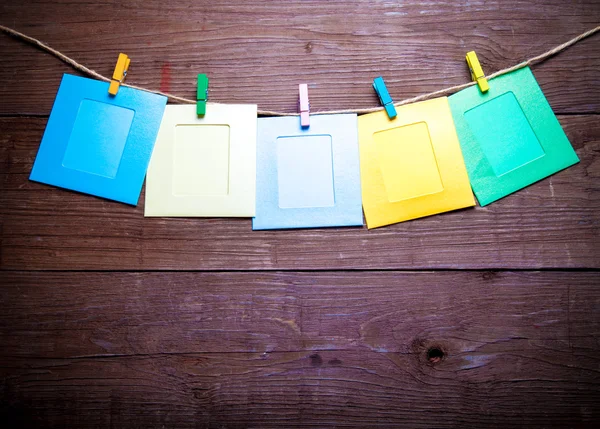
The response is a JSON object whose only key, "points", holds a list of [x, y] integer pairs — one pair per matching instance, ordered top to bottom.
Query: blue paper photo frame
{"points": [[96, 143], [308, 177]]}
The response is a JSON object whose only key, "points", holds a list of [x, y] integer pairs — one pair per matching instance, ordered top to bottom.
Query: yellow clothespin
{"points": [[477, 72], [119, 73]]}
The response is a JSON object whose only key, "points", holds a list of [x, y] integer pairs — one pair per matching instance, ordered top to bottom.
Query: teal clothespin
{"points": [[202, 95], [384, 97]]}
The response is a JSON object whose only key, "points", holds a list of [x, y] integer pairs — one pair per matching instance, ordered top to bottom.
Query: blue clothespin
{"points": [[384, 97]]}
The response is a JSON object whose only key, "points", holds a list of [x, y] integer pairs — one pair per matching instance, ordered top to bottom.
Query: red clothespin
{"points": [[304, 105]]}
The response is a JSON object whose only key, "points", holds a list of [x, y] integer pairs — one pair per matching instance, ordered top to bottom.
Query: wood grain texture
{"points": [[258, 51], [552, 224], [113, 320], [301, 349]]}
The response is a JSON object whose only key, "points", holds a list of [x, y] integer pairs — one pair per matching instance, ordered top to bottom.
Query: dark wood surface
{"points": [[481, 317], [279, 349]]}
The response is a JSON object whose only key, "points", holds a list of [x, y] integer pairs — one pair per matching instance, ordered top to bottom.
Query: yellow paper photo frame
{"points": [[204, 166], [411, 166]]}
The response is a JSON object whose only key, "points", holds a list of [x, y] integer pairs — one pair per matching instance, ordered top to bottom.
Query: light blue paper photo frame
{"points": [[96, 143], [308, 177]]}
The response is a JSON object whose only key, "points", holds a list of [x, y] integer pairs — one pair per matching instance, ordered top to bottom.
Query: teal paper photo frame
{"points": [[509, 136]]}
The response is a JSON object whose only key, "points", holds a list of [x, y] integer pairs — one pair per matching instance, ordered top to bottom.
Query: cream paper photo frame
{"points": [[204, 166]]}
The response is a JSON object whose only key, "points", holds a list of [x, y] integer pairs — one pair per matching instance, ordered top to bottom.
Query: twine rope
{"points": [[446, 91]]}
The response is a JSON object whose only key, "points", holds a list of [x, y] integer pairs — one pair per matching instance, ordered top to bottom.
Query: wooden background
{"points": [[480, 317]]}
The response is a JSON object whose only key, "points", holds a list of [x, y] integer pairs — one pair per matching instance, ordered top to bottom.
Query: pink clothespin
{"points": [[304, 105]]}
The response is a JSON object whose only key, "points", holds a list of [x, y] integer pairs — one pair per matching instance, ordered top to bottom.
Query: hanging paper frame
{"points": [[509, 135]]}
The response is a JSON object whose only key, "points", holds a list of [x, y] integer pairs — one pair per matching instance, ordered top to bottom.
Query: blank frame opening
{"points": [[504, 133], [98, 138], [407, 149], [201, 160], [305, 171]]}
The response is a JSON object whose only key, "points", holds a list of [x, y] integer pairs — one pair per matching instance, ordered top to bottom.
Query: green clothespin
{"points": [[202, 95]]}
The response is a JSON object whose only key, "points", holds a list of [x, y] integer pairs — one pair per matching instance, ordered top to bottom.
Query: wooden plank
{"points": [[259, 51], [552, 224], [287, 348], [299, 349]]}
